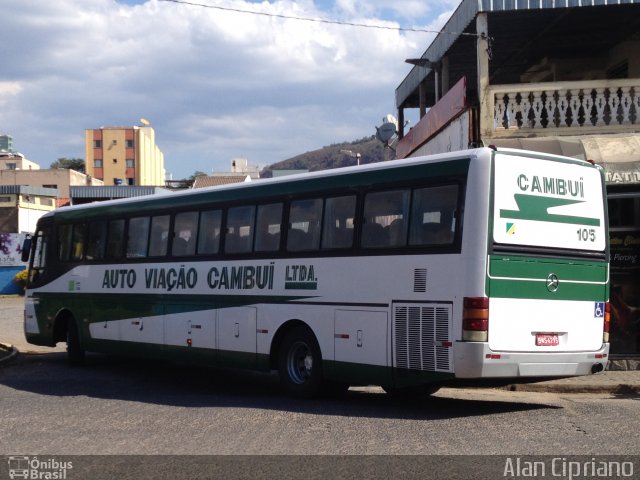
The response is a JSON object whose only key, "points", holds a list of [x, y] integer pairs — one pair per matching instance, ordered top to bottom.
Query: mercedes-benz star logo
{"points": [[552, 282]]}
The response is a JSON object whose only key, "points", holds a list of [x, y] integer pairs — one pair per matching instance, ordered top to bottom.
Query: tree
{"points": [[76, 164], [197, 173]]}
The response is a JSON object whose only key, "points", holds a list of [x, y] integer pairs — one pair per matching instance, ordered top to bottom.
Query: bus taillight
{"points": [[475, 319], [607, 322]]}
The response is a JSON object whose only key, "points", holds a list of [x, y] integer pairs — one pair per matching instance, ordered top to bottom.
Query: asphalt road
{"points": [[119, 406]]}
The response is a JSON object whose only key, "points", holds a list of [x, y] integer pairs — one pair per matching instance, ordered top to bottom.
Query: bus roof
{"points": [[295, 184]]}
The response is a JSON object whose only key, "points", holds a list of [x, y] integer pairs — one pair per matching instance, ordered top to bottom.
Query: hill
{"points": [[370, 149]]}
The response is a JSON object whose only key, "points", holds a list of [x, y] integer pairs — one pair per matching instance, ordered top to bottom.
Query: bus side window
{"points": [[385, 219], [432, 219], [304, 225], [268, 226], [337, 229], [209, 232], [239, 233], [184, 234], [138, 237], [159, 238], [115, 239], [78, 241], [96, 241], [64, 242]]}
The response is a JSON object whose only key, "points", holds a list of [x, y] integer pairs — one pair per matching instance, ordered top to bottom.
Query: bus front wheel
{"points": [[75, 353], [300, 363]]}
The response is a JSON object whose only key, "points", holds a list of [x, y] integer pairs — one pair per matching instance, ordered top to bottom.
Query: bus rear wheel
{"points": [[75, 353], [300, 363]]}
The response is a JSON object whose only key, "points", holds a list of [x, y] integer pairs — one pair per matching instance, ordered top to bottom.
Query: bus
{"points": [[411, 274]]}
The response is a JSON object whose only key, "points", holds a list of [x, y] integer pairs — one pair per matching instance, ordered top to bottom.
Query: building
{"points": [[558, 77], [6, 143], [124, 156], [16, 161], [241, 165], [60, 179], [202, 181], [90, 194], [22, 206]]}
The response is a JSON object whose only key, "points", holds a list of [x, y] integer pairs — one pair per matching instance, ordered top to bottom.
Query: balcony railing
{"points": [[565, 108]]}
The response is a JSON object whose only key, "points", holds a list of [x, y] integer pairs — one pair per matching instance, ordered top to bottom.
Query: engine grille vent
{"points": [[421, 337]]}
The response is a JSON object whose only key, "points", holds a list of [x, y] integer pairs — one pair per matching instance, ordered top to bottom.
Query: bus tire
{"points": [[75, 353], [300, 363]]}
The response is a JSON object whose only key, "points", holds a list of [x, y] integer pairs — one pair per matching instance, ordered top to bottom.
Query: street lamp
{"points": [[435, 66], [352, 154]]}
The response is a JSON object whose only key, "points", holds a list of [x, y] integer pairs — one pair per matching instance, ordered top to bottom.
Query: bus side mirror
{"points": [[26, 248]]}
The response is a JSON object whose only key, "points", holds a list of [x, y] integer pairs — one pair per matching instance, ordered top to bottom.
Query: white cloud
{"points": [[215, 84]]}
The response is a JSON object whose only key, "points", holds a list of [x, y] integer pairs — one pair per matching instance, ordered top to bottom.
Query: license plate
{"points": [[547, 339]]}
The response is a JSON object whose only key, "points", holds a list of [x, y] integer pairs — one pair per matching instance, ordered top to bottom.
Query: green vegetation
{"points": [[76, 164]]}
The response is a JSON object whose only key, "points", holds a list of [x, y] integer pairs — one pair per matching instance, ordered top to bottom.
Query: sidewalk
{"points": [[609, 381]]}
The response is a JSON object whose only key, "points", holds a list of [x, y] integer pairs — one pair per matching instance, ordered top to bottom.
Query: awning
{"points": [[619, 154]]}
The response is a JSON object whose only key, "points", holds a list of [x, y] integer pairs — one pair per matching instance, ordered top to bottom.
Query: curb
{"points": [[7, 353], [614, 388]]}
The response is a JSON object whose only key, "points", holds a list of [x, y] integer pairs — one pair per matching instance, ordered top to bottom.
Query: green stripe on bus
{"points": [[539, 269], [527, 277], [537, 290], [98, 307]]}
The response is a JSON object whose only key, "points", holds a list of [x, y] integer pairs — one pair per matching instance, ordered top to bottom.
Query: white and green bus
{"points": [[479, 264]]}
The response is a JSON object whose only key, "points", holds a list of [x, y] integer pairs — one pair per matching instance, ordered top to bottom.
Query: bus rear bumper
{"points": [[477, 360]]}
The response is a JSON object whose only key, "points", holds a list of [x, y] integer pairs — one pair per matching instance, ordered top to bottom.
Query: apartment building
{"points": [[124, 156]]}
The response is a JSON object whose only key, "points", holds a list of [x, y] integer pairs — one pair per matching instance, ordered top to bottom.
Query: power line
{"points": [[308, 19]]}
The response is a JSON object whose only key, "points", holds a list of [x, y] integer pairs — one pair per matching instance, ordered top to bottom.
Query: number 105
{"points": [[587, 234]]}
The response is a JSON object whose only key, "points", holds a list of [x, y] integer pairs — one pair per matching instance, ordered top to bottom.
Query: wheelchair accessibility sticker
{"points": [[598, 311]]}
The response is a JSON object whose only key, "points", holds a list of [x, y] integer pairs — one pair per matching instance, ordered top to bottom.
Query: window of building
{"points": [[129, 143], [97, 144], [130, 162], [97, 163], [12, 166], [53, 185], [46, 201]]}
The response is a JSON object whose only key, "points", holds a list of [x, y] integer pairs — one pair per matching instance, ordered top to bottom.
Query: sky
{"points": [[214, 83]]}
